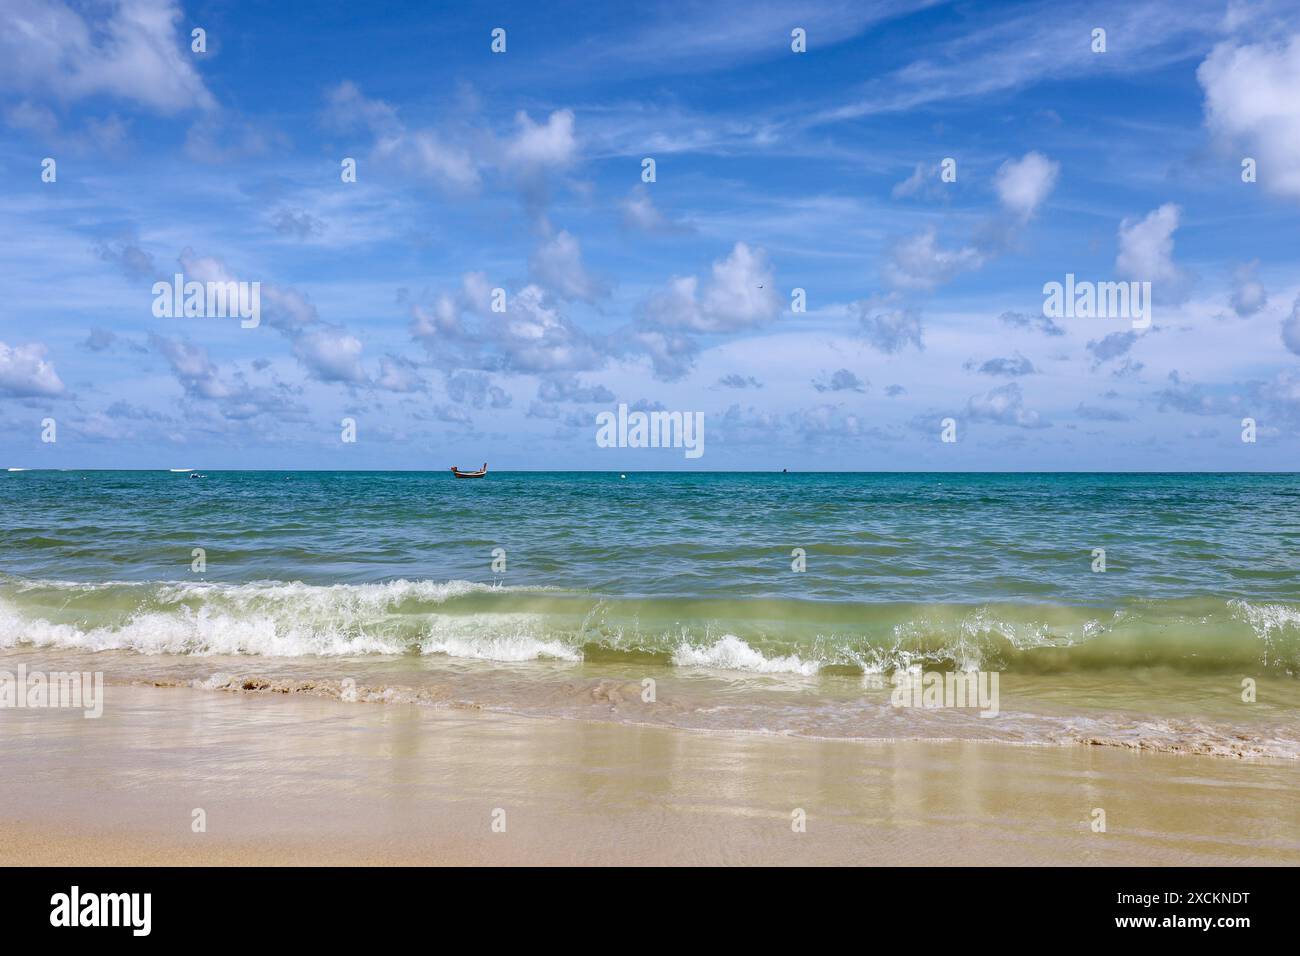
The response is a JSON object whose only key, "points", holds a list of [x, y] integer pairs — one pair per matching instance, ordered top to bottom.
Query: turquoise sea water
{"points": [[879, 550], [391, 577]]}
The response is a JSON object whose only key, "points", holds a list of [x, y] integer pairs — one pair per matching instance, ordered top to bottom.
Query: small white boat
{"points": [[16, 469], [180, 471]]}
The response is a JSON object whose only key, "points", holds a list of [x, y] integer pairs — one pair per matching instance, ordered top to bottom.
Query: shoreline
{"points": [[1149, 711], [292, 779]]}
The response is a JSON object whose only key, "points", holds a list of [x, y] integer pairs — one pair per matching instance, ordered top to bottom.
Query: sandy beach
{"points": [[297, 780]]}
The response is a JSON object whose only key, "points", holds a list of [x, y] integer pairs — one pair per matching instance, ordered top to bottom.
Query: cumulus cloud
{"points": [[131, 50], [1251, 103], [549, 145], [425, 153], [457, 155], [1022, 184], [641, 214], [297, 223], [1146, 251], [128, 257], [918, 262], [557, 263], [739, 294], [1248, 295], [1036, 320], [887, 326], [1291, 328], [531, 336], [535, 337], [99, 340], [1112, 346], [328, 353], [671, 354], [192, 366], [1011, 367], [1128, 369], [25, 372], [397, 374], [736, 380], [842, 380], [567, 388], [477, 390], [233, 397], [1194, 399], [1004, 405]]}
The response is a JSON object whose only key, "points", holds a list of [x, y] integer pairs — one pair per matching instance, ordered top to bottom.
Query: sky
{"points": [[839, 261]]}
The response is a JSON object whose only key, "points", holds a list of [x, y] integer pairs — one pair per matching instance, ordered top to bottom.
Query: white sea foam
{"points": [[267, 618], [1267, 619], [200, 632], [515, 647], [732, 653]]}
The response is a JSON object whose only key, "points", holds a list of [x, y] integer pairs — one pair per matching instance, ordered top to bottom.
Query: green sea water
{"points": [[824, 580]]}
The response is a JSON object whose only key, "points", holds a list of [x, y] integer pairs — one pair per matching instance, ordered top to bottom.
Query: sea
{"points": [[1148, 611]]}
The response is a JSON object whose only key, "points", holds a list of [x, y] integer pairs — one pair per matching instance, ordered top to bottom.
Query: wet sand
{"points": [[315, 781]]}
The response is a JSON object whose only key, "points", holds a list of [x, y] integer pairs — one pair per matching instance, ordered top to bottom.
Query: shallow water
{"points": [[394, 581]]}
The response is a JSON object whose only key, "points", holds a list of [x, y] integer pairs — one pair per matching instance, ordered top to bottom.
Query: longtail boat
{"points": [[469, 474]]}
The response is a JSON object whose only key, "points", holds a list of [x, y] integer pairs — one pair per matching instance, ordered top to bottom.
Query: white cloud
{"points": [[131, 50], [1251, 101], [347, 108], [543, 145], [425, 153], [923, 181], [1022, 184], [640, 212], [1146, 247], [918, 262], [558, 263], [739, 294], [1248, 295], [887, 326], [1291, 328], [330, 354], [193, 367], [24, 372], [397, 374], [1004, 405]]}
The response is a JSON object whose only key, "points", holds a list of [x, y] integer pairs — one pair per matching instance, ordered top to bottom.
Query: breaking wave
{"points": [[490, 622]]}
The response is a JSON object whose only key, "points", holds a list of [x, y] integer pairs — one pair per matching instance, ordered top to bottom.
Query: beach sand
{"points": [[315, 781]]}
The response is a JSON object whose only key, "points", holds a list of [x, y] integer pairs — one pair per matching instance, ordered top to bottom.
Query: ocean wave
{"points": [[264, 618], [491, 622], [732, 653]]}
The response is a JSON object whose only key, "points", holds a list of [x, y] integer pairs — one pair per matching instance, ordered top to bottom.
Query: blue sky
{"points": [[775, 170]]}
